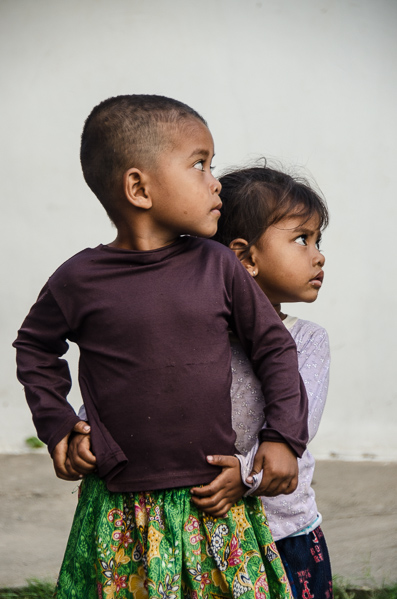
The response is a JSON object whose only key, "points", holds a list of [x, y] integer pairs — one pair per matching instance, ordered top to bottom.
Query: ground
{"points": [[357, 500]]}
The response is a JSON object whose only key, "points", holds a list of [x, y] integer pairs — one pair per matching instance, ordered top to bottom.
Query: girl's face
{"points": [[287, 262]]}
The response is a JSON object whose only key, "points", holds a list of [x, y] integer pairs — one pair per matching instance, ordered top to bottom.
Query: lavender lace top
{"points": [[287, 514]]}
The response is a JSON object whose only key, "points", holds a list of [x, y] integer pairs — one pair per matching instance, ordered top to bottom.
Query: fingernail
{"points": [[86, 428], [210, 458], [249, 479]]}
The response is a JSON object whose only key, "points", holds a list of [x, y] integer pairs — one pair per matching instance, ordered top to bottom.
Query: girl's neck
{"points": [[277, 307]]}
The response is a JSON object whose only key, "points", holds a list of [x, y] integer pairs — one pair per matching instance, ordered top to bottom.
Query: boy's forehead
{"points": [[192, 135]]}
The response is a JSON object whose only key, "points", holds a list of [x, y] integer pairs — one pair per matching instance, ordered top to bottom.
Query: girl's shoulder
{"points": [[305, 332]]}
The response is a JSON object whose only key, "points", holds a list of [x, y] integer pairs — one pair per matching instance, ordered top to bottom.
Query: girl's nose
{"points": [[319, 258]]}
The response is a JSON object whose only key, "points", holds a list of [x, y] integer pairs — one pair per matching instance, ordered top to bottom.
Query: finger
{"points": [[82, 427], [82, 451], [59, 455], [80, 457], [85, 458], [224, 461], [80, 466], [257, 466], [63, 472], [72, 472], [68, 477], [271, 485], [277, 486], [292, 486], [280, 488], [208, 490], [270, 491], [208, 502], [218, 509], [225, 510]]}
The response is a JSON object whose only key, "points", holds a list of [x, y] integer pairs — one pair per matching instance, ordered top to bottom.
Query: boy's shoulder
{"points": [[215, 248], [219, 258], [101, 260], [76, 263]]}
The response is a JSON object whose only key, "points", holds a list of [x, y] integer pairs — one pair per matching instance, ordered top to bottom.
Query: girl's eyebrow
{"points": [[306, 230]]}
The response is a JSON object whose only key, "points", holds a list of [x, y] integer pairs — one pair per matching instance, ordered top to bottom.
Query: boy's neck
{"points": [[140, 240]]}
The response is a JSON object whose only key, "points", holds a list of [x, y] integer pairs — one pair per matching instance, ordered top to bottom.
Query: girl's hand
{"points": [[62, 465], [280, 469], [224, 491]]}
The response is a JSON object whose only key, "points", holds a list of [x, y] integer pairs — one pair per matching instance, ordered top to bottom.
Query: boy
{"points": [[150, 313]]}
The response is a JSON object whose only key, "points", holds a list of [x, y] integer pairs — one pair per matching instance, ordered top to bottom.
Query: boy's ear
{"points": [[134, 185], [239, 247]]}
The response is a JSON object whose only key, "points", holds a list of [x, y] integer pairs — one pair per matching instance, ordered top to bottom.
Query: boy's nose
{"points": [[215, 185]]}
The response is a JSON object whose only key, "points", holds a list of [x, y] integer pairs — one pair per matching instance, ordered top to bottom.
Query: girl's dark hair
{"points": [[258, 197]]}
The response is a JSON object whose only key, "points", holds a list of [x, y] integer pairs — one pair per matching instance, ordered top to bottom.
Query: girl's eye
{"points": [[199, 165], [301, 240], [318, 244]]}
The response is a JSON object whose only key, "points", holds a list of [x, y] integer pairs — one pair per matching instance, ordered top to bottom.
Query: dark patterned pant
{"points": [[307, 565]]}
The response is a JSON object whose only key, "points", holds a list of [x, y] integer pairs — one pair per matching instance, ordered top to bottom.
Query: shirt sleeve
{"points": [[41, 342], [273, 355], [82, 414]]}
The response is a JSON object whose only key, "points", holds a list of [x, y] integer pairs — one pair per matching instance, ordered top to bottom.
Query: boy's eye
{"points": [[199, 165], [301, 240], [318, 244]]}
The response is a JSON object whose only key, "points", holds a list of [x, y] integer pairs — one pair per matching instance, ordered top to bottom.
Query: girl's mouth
{"points": [[317, 281]]}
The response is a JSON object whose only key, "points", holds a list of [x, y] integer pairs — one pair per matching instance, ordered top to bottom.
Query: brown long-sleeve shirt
{"points": [[154, 370]]}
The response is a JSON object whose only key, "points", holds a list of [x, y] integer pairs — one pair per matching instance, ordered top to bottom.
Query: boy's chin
{"points": [[206, 233]]}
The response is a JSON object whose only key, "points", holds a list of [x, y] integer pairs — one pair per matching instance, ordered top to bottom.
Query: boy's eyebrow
{"points": [[200, 152]]}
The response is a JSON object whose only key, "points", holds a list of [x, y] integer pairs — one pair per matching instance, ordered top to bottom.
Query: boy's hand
{"points": [[80, 456], [62, 466], [280, 469], [222, 493]]}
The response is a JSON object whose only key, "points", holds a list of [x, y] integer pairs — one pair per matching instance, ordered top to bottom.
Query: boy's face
{"points": [[185, 194]]}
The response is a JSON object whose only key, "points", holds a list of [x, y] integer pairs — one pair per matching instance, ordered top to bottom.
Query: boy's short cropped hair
{"points": [[124, 132]]}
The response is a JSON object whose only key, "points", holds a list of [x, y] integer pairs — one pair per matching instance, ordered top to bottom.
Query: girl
{"points": [[273, 222]]}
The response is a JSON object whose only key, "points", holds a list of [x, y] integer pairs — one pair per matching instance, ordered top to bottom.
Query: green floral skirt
{"points": [[159, 545]]}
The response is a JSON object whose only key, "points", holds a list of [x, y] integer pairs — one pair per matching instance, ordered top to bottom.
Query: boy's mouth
{"points": [[217, 209]]}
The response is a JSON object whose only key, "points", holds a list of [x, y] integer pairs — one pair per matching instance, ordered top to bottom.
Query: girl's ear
{"points": [[135, 189], [239, 247]]}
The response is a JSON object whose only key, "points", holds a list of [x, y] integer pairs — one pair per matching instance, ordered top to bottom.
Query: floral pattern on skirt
{"points": [[158, 545]]}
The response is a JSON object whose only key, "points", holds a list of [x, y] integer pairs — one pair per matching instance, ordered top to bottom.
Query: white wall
{"points": [[310, 82]]}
